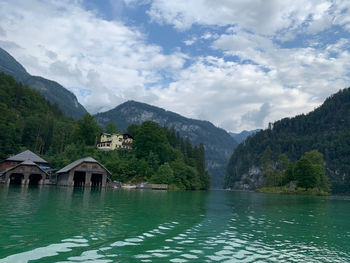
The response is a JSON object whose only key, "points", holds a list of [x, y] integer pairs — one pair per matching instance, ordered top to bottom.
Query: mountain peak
{"points": [[10, 66], [51, 90], [218, 144]]}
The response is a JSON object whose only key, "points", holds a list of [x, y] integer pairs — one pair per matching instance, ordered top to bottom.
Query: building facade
{"points": [[109, 142], [86, 172]]}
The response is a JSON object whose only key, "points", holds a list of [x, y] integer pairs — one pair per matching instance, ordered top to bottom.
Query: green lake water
{"points": [[53, 224]]}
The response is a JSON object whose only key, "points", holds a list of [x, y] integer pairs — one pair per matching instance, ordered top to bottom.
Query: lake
{"points": [[53, 224]]}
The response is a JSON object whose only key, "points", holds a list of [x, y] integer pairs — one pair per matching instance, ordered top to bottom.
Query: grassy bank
{"points": [[286, 190]]}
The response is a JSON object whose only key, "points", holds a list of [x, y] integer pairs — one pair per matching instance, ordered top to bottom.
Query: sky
{"points": [[237, 63]]}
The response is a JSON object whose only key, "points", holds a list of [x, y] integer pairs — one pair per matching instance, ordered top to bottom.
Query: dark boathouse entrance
{"points": [[85, 172], [16, 178], [34, 179], [79, 179], [96, 180]]}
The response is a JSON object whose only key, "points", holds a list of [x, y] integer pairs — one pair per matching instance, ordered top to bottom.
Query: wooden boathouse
{"points": [[21, 157], [25, 168], [85, 172], [25, 173]]}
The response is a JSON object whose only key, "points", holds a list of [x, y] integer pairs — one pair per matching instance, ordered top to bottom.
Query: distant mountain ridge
{"points": [[51, 90], [240, 137], [218, 144]]}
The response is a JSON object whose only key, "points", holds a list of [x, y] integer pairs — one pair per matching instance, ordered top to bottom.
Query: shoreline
{"points": [[287, 191]]}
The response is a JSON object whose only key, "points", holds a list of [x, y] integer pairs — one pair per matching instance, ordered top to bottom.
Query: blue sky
{"points": [[239, 64]]}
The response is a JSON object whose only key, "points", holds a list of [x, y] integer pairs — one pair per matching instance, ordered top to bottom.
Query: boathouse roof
{"points": [[25, 156], [25, 163], [74, 164]]}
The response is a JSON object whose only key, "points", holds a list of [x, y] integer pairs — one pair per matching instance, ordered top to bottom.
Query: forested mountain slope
{"points": [[51, 90], [28, 121], [326, 129], [218, 144], [160, 155]]}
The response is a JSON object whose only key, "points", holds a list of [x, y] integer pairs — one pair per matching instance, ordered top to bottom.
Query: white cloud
{"points": [[263, 17], [60, 40], [241, 41], [190, 42], [107, 62], [278, 83], [231, 95], [257, 117]]}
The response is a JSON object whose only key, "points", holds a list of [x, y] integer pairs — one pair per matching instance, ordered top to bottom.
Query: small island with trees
{"points": [[306, 176]]}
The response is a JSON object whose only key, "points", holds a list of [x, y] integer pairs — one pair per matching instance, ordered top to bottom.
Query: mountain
{"points": [[51, 90], [326, 129], [240, 137], [218, 144], [161, 156]]}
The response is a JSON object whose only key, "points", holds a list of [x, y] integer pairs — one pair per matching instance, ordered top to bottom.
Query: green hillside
{"points": [[27, 120], [326, 129], [218, 144], [160, 155]]}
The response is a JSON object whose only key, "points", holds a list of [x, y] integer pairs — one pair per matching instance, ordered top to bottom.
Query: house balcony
{"points": [[104, 146]]}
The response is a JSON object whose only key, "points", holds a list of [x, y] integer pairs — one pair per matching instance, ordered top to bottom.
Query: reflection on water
{"points": [[78, 225], [48, 251]]}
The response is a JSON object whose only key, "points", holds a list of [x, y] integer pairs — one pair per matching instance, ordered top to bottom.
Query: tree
{"points": [[111, 128], [133, 129], [86, 130], [151, 138], [199, 158], [316, 158], [266, 159], [284, 161], [305, 173], [285, 174], [289, 174], [164, 175], [270, 177]]}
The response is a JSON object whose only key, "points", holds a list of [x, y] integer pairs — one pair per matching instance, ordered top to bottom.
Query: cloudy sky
{"points": [[237, 63]]}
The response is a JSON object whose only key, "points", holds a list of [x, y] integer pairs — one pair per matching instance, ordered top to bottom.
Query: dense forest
{"points": [[326, 129], [160, 155]]}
